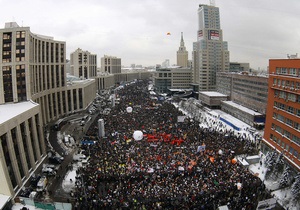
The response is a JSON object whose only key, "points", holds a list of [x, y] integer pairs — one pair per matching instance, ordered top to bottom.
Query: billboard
{"points": [[200, 34], [213, 35]]}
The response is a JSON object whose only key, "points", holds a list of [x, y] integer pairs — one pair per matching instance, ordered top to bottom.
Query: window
{"points": [[283, 70], [293, 71], [278, 82], [282, 94], [292, 97], [290, 109], [298, 112], [280, 118], [289, 122], [297, 126], [287, 134]]}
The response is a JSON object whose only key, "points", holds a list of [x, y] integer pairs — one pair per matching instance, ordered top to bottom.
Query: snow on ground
{"points": [[68, 183], [282, 196], [19, 206]]}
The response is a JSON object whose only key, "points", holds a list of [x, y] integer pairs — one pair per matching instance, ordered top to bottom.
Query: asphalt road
{"points": [[55, 190]]}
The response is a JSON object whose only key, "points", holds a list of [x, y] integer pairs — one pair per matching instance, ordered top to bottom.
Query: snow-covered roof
{"points": [[212, 93], [242, 108], [11, 110], [229, 118], [3, 200]]}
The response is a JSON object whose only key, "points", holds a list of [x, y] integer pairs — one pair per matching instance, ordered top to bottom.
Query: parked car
{"points": [[79, 157], [55, 160], [49, 171], [34, 180], [41, 184]]}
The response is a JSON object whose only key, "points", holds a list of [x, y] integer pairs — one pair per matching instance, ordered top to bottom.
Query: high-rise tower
{"points": [[210, 53], [182, 54]]}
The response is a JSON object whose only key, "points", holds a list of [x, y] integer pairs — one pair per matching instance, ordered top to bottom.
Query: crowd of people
{"points": [[176, 165]]}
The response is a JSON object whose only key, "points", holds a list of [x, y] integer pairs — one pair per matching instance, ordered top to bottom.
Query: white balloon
{"points": [[129, 109], [138, 135]]}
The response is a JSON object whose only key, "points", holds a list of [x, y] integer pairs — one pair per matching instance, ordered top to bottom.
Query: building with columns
{"points": [[182, 54], [33, 92], [22, 146]]}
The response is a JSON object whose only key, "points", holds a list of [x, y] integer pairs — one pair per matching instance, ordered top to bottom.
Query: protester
{"points": [[177, 164]]}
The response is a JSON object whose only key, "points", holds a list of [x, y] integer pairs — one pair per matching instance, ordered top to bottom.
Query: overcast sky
{"points": [[136, 30]]}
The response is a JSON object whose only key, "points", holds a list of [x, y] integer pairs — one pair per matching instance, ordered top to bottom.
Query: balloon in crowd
{"points": [[129, 109], [138, 135]]}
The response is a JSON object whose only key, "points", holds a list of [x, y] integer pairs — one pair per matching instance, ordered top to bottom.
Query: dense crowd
{"points": [[177, 164]]}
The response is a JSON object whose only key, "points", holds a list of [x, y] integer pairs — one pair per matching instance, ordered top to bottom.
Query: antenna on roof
{"points": [[212, 3]]}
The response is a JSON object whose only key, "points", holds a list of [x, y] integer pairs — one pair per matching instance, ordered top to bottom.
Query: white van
{"points": [[79, 157]]}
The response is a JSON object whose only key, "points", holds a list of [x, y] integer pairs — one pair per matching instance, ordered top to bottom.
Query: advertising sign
{"points": [[200, 34], [213, 35]]}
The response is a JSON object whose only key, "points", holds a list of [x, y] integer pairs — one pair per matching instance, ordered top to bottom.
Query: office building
{"points": [[210, 52], [182, 54], [83, 64], [110, 64], [239, 67], [172, 78], [245, 89], [33, 92], [282, 130]]}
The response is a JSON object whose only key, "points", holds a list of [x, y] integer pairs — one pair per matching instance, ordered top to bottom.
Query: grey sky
{"points": [[136, 30]]}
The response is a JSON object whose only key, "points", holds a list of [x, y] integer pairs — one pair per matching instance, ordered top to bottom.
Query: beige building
{"points": [[182, 54], [83, 64], [110, 64], [106, 81], [33, 92], [22, 146]]}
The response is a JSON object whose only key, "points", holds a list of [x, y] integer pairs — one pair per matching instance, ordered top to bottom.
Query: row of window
{"points": [[288, 71], [286, 83], [287, 96], [287, 108], [286, 121], [286, 134], [285, 146]]}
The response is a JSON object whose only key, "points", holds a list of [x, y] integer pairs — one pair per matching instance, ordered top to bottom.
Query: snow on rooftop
{"points": [[212, 93], [242, 108], [11, 110], [230, 118], [3, 200]]}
